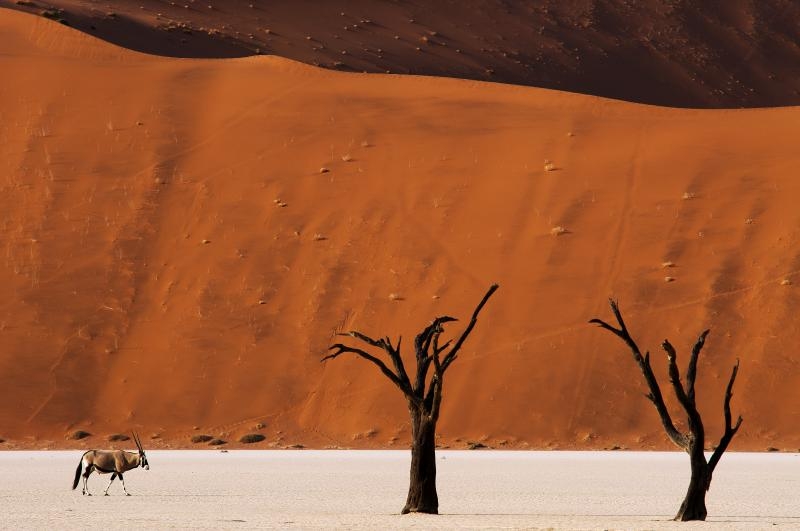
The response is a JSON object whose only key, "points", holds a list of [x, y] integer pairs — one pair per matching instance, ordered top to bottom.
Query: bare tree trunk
{"points": [[424, 396], [422, 497], [694, 505]]}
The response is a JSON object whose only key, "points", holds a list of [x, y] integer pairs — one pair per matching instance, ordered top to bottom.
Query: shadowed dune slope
{"points": [[696, 53], [173, 257]]}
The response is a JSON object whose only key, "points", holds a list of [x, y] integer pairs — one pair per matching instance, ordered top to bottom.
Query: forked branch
{"points": [[450, 357], [643, 362], [399, 379], [696, 423], [730, 430]]}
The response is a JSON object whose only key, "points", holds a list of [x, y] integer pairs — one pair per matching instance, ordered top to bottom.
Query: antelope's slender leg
{"points": [[113, 475], [86, 480], [123, 485]]}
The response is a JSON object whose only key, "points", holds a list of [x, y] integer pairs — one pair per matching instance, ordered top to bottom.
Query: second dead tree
{"points": [[423, 394], [693, 443]]}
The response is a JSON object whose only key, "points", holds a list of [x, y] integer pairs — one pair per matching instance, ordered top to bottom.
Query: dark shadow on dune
{"points": [[683, 54]]}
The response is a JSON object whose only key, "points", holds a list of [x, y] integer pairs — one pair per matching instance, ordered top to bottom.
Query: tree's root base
{"points": [[422, 510]]}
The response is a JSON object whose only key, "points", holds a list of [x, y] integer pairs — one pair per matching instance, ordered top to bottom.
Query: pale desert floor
{"points": [[366, 489]]}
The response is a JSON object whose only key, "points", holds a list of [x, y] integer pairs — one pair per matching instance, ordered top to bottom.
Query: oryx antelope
{"points": [[114, 462]]}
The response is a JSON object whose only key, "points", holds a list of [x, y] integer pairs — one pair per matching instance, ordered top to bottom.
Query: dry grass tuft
{"points": [[347, 157], [549, 166], [324, 170], [688, 195], [558, 230], [667, 264], [669, 279], [786, 282], [395, 297], [251, 438]]}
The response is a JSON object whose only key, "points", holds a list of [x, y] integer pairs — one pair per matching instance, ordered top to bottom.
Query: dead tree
{"points": [[423, 394], [694, 505]]}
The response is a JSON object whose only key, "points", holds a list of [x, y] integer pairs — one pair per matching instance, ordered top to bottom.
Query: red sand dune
{"points": [[690, 54], [172, 257]]}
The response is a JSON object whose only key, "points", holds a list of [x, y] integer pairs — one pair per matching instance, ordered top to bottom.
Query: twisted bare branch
{"points": [[422, 345], [451, 356], [691, 370], [399, 379], [655, 396], [695, 422], [730, 430]]}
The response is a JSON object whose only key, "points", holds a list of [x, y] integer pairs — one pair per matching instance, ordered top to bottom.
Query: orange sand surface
{"points": [[175, 261]]}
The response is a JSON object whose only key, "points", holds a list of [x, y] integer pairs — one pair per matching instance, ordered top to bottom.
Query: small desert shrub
{"points": [[52, 14], [55, 14], [549, 166], [688, 195], [558, 230], [667, 264], [669, 279], [786, 282], [79, 434], [118, 437], [200, 438], [251, 438], [217, 442], [476, 446], [295, 447]]}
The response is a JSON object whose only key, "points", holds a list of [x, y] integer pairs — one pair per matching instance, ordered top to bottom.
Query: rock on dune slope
{"points": [[695, 53], [173, 257]]}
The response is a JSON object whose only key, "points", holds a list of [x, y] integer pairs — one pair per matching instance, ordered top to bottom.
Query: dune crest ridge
{"points": [[680, 54]]}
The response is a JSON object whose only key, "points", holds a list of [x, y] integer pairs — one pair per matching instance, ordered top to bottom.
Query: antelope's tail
{"points": [[78, 474]]}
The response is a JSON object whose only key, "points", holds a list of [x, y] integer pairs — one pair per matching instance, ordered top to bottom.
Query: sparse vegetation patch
{"points": [[251, 438]]}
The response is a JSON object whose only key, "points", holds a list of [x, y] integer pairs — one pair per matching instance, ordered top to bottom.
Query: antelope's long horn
{"points": [[137, 441]]}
